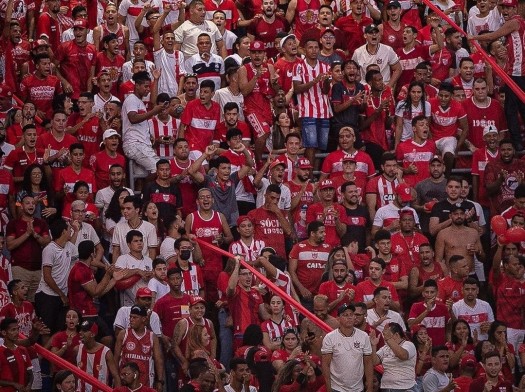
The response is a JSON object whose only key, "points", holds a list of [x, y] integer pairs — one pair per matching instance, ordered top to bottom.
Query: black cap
{"points": [[393, 3], [370, 28], [343, 308], [139, 310]]}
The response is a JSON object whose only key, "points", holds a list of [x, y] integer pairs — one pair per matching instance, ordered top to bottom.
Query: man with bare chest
{"points": [[458, 239]]}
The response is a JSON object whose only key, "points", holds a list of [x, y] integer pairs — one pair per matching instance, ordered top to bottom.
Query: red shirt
{"points": [[228, 7], [52, 27], [354, 31], [267, 32], [13, 56], [409, 60], [441, 62], [75, 64], [114, 67], [285, 69], [41, 91], [480, 117], [445, 121], [201, 123], [221, 130], [377, 132], [90, 135], [47, 140], [409, 152], [480, 159], [333, 163], [100, 164], [68, 178], [188, 188], [383, 189], [505, 196], [316, 212], [267, 227], [206, 230], [406, 248], [29, 254], [311, 263], [80, 275], [449, 288], [332, 291], [364, 291], [509, 301], [244, 308], [171, 310], [24, 315], [435, 321], [14, 366], [478, 385]]}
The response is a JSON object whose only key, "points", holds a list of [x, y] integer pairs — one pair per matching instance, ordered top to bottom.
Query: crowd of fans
{"points": [[320, 142]]}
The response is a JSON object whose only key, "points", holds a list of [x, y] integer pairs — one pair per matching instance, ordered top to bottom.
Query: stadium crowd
{"points": [[361, 155]]}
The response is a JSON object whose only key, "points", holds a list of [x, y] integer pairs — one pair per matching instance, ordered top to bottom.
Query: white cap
{"points": [[284, 39], [489, 129], [110, 132]]}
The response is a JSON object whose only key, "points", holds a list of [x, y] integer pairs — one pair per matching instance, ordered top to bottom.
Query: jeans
{"points": [[513, 106], [315, 132], [226, 338], [171, 366]]}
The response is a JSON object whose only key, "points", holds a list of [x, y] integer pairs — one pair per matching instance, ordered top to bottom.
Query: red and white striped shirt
{"points": [[516, 49], [312, 103], [159, 128], [383, 189], [249, 252], [192, 280], [275, 330], [94, 364]]}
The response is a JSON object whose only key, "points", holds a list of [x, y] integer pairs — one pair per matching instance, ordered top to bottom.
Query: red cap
{"points": [[509, 3], [80, 23], [326, 30], [40, 42], [257, 46], [5, 91], [348, 158], [276, 163], [303, 163], [326, 184], [405, 192], [405, 211], [243, 218], [143, 292], [196, 300], [416, 328], [468, 360]]}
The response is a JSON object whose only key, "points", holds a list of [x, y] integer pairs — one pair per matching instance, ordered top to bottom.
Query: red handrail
{"points": [[501, 73], [321, 324], [69, 366]]}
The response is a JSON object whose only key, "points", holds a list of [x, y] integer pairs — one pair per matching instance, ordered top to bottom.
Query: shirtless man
{"points": [[458, 239], [428, 269], [310, 332]]}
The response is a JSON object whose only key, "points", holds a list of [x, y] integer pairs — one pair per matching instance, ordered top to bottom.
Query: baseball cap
{"points": [[393, 3], [509, 3], [80, 23], [370, 28], [326, 30], [283, 40], [40, 42], [257, 46], [230, 63], [5, 91], [489, 129], [110, 132], [348, 158], [436, 158], [276, 163], [303, 163], [326, 184], [405, 192], [457, 206], [406, 211], [243, 218], [143, 292], [197, 300], [344, 308], [139, 310], [89, 326], [468, 360]]}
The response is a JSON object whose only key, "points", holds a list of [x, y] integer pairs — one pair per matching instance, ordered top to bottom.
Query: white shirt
{"points": [[131, 16], [188, 32], [68, 35], [384, 57], [172, 65], [127, 69], [212, 70], [224, 95], [100, 102], [407, 132], [134, 133], [285, 201], [391, 212], [147, 229], [86, 233], [167, 248], [59, 259], [127, 261], [158, 288], [474, 316], [392, 317], [122, 320], [347, 365], [398, 374], [434, 381]]}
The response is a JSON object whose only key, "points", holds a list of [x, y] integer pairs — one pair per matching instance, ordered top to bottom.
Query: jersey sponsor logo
{"points": [[315, 265]]}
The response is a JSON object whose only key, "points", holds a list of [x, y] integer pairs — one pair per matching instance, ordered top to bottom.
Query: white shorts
{"points": [[447, 144], [142, 154], [479, 269]]}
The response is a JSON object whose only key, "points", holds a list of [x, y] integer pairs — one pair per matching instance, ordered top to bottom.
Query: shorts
{"points": [[260, 127], [315, 132], [447, 144], [142, 154], [30, 278]]}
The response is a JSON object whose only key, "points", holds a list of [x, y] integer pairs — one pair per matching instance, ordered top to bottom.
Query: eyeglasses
{"points": [[329, 36]]}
